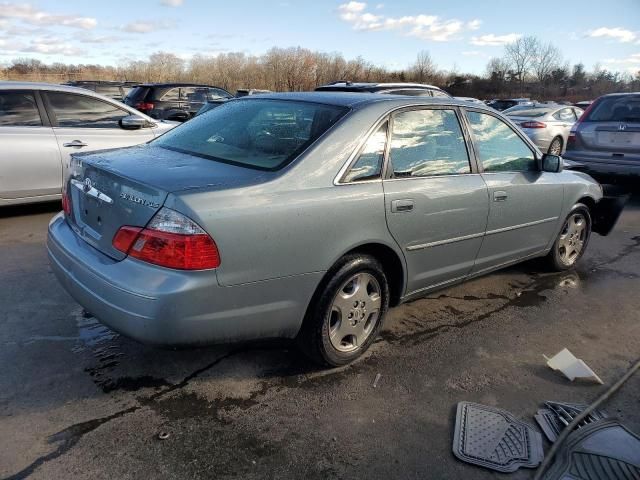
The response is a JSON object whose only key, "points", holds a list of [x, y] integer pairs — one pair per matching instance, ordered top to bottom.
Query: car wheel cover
{"points": [[556, 147], [572, 238], [355, 312]]}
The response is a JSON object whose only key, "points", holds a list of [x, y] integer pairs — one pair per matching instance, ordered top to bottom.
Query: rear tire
{"points": [[556, 146], [572, 240], [347, 311]]}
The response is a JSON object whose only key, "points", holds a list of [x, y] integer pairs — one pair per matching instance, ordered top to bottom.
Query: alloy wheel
{"points": [[572, 238]]}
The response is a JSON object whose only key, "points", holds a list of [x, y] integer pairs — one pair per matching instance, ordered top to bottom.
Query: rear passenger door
{"points": [[82, 123], [30, 163], [436, 201], [525, 202]]}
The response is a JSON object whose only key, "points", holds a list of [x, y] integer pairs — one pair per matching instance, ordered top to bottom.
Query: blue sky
{"points": [[462, 34]]}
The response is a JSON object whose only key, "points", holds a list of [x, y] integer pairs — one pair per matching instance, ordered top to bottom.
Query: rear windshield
{"points": [[136, 94], [625, 108], [528, 113], [254, 133]]}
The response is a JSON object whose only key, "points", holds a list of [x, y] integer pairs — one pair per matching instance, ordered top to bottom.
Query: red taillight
{"points": [[144, 106], [533, 125], [66, 203], [125, 237], [170, 240]]}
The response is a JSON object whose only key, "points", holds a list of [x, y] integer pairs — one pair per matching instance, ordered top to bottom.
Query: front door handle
{"points": [[75, 143], [499, 196], [404, 205]]}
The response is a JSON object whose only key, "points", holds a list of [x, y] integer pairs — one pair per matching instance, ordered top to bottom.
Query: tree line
{"points": [[528, 67]]}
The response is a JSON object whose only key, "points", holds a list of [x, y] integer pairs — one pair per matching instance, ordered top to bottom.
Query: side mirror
{"points": [[132, 122], [551, 163]]}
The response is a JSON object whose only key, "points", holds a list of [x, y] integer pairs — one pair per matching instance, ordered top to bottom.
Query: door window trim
{"points": [[52, 115], [534, 150], [388, 174]]}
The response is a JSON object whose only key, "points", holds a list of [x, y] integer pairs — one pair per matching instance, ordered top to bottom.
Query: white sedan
{"points": [[42, 124]]}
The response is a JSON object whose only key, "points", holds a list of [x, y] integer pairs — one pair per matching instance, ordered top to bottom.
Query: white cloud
{"points": [[172, 3], [29, 14], [474, 24], [146, 27], [426, 27], [616, 33], [97, 39], [492, 40], [47, 45], [630, 64]]}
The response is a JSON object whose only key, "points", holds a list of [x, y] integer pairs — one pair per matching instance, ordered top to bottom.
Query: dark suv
{"points": [[412, 89], [115, 90], [174, 101]]}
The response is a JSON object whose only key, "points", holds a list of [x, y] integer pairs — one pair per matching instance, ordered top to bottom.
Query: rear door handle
{"points": [[75, 143], [500, 196], [404, 205]]}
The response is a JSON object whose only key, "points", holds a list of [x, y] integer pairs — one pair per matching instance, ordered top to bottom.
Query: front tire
{"points": [[572, 240], [346, 312]]}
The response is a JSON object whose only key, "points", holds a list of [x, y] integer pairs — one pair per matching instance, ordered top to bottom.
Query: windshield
{"points": [[623, 108], [262, 134]]}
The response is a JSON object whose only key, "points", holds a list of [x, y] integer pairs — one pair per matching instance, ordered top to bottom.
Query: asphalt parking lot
{"points": [[79, 401]]}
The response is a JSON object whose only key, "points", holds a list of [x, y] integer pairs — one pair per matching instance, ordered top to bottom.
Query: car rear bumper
{"points": [[604, 166], [171, 307]]}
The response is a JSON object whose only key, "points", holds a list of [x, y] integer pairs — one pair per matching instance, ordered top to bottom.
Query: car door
{"points": [[85, 123], [30, 164], [436, 202], [525, 202]]}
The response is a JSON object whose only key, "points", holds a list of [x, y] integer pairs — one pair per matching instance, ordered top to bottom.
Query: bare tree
{"points": [[520, 54], [546, 60], [424, 68]]}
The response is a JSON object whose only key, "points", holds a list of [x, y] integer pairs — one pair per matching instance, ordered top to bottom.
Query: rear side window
{"points": [[440, 94], [172, 95], [625, 108], [19, 110], [81, 111], [565, 115], [257, 133], [426, 143], [500, 149], [368, 166]]}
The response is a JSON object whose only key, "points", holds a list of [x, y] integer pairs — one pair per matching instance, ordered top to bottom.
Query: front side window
{"points": [[19, 110], [81, 111], [257, 133], [426, 143], [500, 149], [368, 166]]}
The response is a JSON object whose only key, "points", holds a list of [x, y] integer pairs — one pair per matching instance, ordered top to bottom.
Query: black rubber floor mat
{"points": [[556, 416], [494, 439], [603, 450]]}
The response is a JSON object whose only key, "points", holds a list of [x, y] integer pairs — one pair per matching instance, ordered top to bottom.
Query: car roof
{"points": [[176, 84], [8, 85], [365, 85], [357, 99]]}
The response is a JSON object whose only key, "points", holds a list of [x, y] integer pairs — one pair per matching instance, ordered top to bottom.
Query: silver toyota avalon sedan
{"points": [[308, 215]]}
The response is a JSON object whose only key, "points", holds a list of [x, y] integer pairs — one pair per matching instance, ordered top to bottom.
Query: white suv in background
{"points": [[42, 124]]}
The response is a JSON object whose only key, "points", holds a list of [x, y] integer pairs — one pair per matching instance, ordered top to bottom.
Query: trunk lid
{"points": [[112, 188]]}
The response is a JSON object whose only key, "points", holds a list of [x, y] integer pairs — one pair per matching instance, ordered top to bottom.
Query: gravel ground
{"points": [[79, 401]]}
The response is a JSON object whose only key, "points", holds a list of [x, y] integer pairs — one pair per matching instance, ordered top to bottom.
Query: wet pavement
{"points": [[80, 401]]}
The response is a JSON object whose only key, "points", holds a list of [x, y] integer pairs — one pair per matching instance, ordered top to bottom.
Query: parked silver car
{"points": [[42, 124], [548, 126], [606, 140], [307, 215]]}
